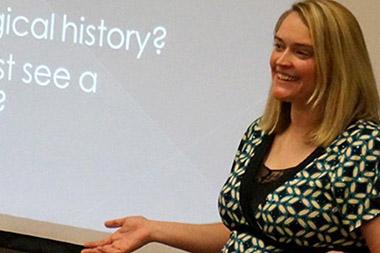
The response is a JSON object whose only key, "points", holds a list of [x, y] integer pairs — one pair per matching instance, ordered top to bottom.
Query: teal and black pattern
{"points": [[322, 206]]}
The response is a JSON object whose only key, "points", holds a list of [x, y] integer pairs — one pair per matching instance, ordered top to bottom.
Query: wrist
{"points": [[153, 231]]}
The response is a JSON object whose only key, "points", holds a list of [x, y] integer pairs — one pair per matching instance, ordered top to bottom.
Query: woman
{"points": [[306, 175]]}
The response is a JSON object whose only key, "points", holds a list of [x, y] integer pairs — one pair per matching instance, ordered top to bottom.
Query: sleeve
{"points": [[244, 151], [356, 182], [229, 198]]}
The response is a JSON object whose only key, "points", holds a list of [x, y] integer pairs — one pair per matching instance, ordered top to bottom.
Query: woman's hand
{"points": [[133, 233]]}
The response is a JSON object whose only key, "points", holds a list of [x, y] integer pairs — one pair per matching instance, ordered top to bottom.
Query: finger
{"points": [[114, 223], [94, 244], [110, 249], [95, 250]]}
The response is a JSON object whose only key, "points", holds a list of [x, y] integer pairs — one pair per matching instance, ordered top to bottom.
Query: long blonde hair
{"points": [[345, 83]]}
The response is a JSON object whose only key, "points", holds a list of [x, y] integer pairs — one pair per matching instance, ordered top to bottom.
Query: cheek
{"points": [[309, 70], [309, 77]]}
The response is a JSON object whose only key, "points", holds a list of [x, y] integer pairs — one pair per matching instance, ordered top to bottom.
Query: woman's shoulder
{"points": [[363, 127], [255, 128], [360, 132], [254, 133], [252, 136], [357, 149]]}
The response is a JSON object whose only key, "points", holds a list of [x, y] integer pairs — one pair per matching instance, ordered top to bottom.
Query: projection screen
{"points": [[115, 108]]}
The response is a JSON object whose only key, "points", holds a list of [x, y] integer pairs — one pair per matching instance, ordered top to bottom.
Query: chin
{"points": [[281, 96]]}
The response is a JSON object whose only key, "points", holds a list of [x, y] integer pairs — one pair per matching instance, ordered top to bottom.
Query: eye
{"points": [[278, 46], [304, 54]]}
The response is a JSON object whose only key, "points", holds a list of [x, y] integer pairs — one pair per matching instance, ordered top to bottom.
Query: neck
{"points": [[303, 119]]}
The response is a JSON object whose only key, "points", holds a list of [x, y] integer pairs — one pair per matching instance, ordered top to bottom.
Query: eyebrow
{"points": [[296, 44]]}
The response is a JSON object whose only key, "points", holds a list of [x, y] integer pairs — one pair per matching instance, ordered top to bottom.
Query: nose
{"points": [[283, 58]]}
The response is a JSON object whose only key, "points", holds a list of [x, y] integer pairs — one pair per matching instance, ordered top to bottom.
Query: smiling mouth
{"points": [[286, 77]]}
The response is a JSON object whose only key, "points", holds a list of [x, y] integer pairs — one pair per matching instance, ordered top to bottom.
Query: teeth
{"points": [[286, 77]]}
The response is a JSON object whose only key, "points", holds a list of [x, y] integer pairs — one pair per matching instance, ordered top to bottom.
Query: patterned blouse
{"points": [[317, 208]]}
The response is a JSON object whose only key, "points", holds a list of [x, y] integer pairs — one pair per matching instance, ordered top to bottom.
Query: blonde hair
{"points": [[345, 83]]}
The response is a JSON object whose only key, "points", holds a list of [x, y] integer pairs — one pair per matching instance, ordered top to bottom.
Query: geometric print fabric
{"points": [[320, 207]]}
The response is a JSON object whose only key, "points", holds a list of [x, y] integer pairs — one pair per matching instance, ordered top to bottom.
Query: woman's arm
{"points": [[135, 232], [371, 233], [192, 237]]}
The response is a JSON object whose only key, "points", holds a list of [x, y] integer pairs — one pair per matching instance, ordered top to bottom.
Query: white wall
{"points": [[367, 12]]}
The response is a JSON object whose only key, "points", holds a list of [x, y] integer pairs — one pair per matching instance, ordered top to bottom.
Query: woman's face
{"points": [[292, 62]]}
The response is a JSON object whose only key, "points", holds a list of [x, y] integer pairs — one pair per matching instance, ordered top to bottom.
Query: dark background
{"points": [[17, 243]]}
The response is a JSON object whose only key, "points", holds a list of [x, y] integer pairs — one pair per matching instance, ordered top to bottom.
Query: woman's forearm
{"points": [[197, 238]]}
